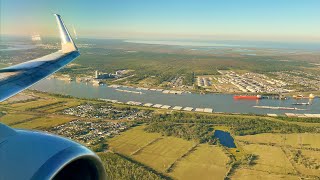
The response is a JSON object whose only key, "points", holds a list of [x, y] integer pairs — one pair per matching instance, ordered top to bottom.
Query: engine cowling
{"points": [[37, 155]]}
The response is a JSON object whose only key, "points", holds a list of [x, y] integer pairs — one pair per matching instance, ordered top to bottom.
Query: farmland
{"points": [[41, 111], [11, 119], [44, 122], [307, 140], [131, 141], [163, 153], [172, 156], [282, 156], [269, 159], [205, 161], [118, 167], [248, 174]]}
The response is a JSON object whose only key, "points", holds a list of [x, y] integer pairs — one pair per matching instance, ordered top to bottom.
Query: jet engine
{"points": [[37, 156]]}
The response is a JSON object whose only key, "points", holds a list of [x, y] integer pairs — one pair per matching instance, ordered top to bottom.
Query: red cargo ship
{"points": [[247, 97]]}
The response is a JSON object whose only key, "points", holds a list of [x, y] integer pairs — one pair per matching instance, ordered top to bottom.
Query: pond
{"points": [[225, 138]]}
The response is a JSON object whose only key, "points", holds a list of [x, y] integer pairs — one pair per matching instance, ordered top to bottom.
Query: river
{"points": [[219, 102]]}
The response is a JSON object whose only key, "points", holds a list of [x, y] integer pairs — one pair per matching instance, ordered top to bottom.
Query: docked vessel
{"points": [[311, 96], [239, 97], [301, 104], [278, 108]]}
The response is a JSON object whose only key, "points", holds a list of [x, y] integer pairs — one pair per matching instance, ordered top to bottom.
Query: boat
{"points": [[298, 96], [311, 96], [239, 97], [301, 104], [278, 108]]}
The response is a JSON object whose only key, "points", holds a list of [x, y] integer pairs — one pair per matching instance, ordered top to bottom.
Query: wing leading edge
{"points": [[15, 79]]}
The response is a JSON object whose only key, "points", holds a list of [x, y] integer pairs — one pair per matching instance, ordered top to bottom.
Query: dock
{"points": [[165, 92], [134, 103], [148, 104], [157, 106], [161, 106], [165, 107], [177, 108], [188, 108], [199, 110], [208, 110], [290, 114], [272, 115], [302, 115], [313, 115]]}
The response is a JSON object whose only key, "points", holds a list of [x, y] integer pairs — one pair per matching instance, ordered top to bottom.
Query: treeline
{"points": [[189, 79], [297, 119], [239, 125], [197, 132], [118, 167]]}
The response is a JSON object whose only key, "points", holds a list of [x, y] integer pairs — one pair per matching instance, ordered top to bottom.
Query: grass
{"points": [[33, 104], [61, 105], [65, 106], [14, 118], [44, 122], [309, 140], [130, 141], [150, 149], [161, 154], [312, 154], [270, 159], [205, 162], [307, 163], [118, 167], [249, 174]]}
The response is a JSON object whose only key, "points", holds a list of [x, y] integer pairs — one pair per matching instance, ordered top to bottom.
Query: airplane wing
{"points": [[16, 78], [32, 154]]}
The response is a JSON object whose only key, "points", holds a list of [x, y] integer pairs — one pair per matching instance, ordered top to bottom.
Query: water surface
{"points": [[219, 102]]}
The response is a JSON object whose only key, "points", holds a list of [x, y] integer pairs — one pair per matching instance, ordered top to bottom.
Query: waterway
{"points": [[219, 102]]}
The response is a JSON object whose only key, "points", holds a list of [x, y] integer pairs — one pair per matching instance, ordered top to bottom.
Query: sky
{"points": [[267, 20]]}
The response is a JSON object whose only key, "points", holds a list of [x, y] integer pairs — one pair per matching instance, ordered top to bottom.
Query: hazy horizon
{"points": [[286, 20]]}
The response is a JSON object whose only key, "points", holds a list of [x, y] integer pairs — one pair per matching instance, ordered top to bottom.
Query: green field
{"points": [[33, 104], [14, 118], [44, 122], [308, 140], [131, 141], [162, 153], [281, 156], [269, 159], [311, 159], [206, 161], [118, 167], [248, 174]]}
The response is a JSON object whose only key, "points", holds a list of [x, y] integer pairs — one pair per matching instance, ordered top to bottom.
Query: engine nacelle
{"points": [[37, 155]]}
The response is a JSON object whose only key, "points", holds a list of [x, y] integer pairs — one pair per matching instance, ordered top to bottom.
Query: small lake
{"points": [[225, 138]]}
